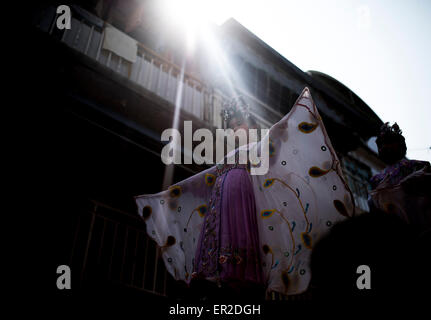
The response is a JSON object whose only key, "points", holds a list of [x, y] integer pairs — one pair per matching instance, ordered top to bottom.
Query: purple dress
{"points": [[228, 249]]}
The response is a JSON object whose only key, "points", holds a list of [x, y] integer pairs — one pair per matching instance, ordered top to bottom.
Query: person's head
{"points": [[237, 116], [391, 143]]}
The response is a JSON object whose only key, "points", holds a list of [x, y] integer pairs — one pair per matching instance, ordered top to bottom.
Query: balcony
{"points": [[151, 71], [111, 246]]}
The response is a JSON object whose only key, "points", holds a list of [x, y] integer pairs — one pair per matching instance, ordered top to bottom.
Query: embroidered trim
{"points": [[224, 168], [209, 251], [211, 254], [238, 255]]}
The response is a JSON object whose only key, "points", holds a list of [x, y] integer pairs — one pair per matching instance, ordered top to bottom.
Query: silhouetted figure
{"points": [[404, 186]]}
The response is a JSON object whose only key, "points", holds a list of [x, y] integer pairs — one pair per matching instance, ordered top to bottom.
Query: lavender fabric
{"points": [[232, 232]]}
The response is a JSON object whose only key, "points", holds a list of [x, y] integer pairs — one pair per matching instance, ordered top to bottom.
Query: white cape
{"points": [[300, 197]]}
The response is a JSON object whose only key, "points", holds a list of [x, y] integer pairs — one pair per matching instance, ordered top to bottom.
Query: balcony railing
{"points": [[151, 71], [359, 189], [112, 246]]}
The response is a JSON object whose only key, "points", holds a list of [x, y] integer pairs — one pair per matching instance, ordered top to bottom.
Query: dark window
{"points": [[238, 63], [249, 77], [262, 85], [274, 94], [285, 103], [358, 175]]}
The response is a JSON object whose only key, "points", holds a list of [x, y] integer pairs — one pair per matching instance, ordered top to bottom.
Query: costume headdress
{"points": [[236, 108], [387, 129], [388, 132], [389, 135]]}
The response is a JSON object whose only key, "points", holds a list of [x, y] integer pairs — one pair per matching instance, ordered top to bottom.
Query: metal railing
{"points": [[154, 72], [359, 189], [112, 246]]}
